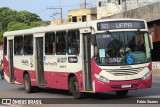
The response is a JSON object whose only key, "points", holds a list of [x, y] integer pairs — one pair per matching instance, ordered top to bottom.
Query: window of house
{"points": [[108, 1], [119, 2], [99, 4], [74, 19], [84, 19], [61, 42], [73, 42], [28, 44], [18, 45], [5, 46], [50, 46]]}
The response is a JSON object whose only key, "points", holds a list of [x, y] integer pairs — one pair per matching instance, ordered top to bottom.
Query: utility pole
{"points": [[83, 4], [60, 8], [125, 9]]}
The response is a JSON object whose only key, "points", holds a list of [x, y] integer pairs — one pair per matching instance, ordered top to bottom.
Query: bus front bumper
{"points": [[122, 85]]}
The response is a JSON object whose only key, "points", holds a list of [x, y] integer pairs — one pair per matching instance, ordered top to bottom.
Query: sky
{"points": [[41, 7]]}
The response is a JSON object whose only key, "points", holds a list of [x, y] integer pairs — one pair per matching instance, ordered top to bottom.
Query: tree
{"points": [[6, 15], [26, 17], [12, 20], [16, 26]]}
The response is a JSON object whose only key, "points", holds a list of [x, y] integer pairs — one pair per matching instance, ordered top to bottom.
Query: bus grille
{"points": [[122, 72]]}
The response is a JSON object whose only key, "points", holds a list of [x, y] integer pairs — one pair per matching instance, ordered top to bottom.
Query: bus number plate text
{"points": [[126, 86]]}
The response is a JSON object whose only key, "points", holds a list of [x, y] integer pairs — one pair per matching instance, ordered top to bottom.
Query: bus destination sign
{"points": [[120, 25]]}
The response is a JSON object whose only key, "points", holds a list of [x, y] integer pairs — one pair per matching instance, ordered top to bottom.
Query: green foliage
{"points": [[12, 20], [16, 26], [1, 36]]}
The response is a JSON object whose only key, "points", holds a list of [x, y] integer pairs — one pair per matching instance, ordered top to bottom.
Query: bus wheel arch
{"points": [[27, 82], [74, 87]]}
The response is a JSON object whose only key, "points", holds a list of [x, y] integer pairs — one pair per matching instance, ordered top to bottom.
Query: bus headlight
{"points": [[147, 75], [101, 78]]}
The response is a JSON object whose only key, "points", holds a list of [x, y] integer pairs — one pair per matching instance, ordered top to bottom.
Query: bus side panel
{"points": [[24, 64], [6, 68], [95, 68], [18, 75], [32, 75], [56, 80], [59, 80], [80, 80]]}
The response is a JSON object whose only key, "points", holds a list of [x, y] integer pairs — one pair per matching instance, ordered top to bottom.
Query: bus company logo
{"points": [[72, 59], [25, 62], [50, 63], [6, 101]]}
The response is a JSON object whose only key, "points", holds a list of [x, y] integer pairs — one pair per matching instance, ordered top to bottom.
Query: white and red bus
{"points": [[97, 56]]}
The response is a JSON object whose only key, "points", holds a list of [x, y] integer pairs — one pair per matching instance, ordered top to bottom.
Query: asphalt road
{"points": [[63, 97]]}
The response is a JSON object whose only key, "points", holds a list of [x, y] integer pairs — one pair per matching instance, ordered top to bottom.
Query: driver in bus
{"points": [[140, 44]]}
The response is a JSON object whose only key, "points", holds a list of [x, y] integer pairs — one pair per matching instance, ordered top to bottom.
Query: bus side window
{"points": [[61, 42], [73, 42], [50, 43], [28, 44], [18, 45], [5, 46]]}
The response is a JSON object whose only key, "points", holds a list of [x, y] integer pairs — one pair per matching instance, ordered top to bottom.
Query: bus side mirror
{"points": [[93, 40]]}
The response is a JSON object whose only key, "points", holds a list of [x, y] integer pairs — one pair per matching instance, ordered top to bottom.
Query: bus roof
{"points": [[68, 26]]}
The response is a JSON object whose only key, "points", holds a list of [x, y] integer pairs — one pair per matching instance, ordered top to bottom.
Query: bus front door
{"points": [[87, 62], [40, 66], [11, 68]]}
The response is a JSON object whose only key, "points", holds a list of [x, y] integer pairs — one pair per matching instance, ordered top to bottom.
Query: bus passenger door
{"points": [[87, 62], [40, 66], [11, 68]]}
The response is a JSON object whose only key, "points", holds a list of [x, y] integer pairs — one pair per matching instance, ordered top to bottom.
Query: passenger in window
{"points": [[19, 48], [71, 49], [77, 49], [21, 51]]}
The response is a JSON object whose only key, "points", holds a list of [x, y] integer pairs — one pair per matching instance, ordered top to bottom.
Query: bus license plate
{"points": [[126, 86]]}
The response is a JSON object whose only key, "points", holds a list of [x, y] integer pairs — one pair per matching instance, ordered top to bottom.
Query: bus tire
{"points": [[27, 84], [74, 88], [122, 93]]}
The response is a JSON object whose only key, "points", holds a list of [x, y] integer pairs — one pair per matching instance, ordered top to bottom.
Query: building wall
{"points": [[107, 8], [90, 13], [149, 13], [57, 22]]}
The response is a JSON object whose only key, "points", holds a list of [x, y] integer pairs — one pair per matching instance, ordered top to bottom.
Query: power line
{"points": [[60, 8]]}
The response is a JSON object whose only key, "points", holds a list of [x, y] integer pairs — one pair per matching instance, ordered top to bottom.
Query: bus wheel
{"points": [[27, 84], [74, 88], [122, 93]]}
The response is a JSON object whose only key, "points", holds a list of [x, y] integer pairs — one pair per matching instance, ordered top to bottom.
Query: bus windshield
{"points": [[122, 48]]}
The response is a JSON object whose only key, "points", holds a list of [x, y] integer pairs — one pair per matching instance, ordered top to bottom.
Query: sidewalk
{"points": [[156, 72]]}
